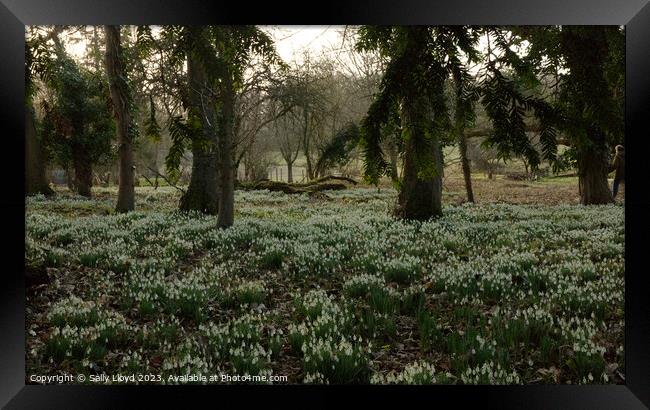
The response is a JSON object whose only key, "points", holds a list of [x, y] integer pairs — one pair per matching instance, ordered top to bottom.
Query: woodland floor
{"points": [[526, 286]]}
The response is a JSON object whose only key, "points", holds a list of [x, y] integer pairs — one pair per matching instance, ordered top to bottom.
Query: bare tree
{"points": [[286, 133]]}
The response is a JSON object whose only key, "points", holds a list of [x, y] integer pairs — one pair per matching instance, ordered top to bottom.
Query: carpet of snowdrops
{"points": [[326, 291]]}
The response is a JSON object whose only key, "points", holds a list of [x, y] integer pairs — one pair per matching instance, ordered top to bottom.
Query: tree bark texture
{"points": [[120, 96], [464, 161], [593, 167], [226, 168], [83, 171], [35, 179], [203, 191], [420, 196]]}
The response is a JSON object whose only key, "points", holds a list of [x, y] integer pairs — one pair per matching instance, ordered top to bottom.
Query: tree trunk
{"points": [[585, 51], [120, 97], [305, 144], [392, 152], [464, 161], [593, 164], [235, 166], [309, 166], [393, 168], [226, 169], [83, 171], [526, 171], [247, 172], [289, 172], [35, 179], [69, 179], [437, 179], [203, 191], [420, 197]]}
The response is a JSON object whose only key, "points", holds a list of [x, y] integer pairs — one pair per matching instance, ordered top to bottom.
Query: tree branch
{"points": [[166, 179]]}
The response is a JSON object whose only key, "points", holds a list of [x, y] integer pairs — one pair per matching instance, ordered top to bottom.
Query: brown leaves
{"points": [[498, 190], [156, 361], [550, 374]]}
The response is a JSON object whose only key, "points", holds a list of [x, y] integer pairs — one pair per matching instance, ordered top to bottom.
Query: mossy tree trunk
{"points": [[586, 52], [120, 98], [393, 156], [593, 166], [83, 171], [35, 179], [203, 191], [420, 195]]}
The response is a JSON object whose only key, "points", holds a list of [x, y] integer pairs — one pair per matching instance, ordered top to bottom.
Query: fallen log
{"points": [[334, 177], [276, 186], [326, 187]]}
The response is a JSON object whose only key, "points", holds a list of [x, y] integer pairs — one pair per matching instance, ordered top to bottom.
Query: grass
{"points": [[564, 180]]}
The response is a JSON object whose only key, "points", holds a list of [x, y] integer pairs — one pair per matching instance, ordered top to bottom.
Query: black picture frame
{"points": [[15, 14]]}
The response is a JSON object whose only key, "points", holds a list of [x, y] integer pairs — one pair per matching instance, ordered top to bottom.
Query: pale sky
{"points": [[292, 41]]}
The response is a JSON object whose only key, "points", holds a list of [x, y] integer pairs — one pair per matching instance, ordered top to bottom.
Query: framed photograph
{"points": [[418, 200]]}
